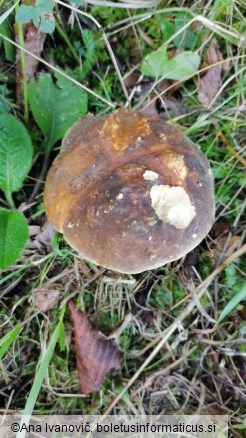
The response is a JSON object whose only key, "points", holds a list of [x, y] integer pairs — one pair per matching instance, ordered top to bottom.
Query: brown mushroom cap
{"points": [[129, 192]]}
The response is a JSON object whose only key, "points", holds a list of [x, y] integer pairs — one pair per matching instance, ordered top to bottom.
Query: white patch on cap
{"points": [[149, 175], [172, 205]]}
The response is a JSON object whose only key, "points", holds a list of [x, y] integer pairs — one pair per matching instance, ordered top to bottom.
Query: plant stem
{"points": [[67, 41], [23, 66], [41, 176], [9, 198]]}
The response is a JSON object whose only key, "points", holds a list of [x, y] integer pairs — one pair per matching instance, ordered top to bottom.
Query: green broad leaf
{"points": [[44, 6], [34, 13], [25, 14], [36, 17], [47, 24], [167, 29], [154, 64], [157, 64], [183, 65], [4, 105], [55, 107], [15, 153], [13, 236], [236, 299]]}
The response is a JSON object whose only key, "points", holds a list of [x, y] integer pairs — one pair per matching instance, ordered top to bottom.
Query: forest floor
{"points": [[181, 328]]}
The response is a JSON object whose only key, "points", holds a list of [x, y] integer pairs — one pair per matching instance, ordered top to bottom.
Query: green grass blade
{"points": [[7, 13], [240, 296], [8, 339], [62, 343], [39, 378]]}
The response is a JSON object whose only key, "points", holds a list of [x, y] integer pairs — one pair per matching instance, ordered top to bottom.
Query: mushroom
{"points": [[129, 192]]}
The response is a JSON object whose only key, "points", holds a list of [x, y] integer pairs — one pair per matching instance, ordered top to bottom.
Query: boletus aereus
{"points": [[129, 192]]}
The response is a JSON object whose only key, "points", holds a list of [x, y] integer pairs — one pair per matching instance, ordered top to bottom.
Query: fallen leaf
{"points": [[33, 42], [213, 54], [131, 79], [211, 81], [171, 106], [149, 107], [165, 108], [33, 230], [46, 236], [41, 237], [219, 249], [46, 299], [242, 312], [96, 355], [215, 409]]}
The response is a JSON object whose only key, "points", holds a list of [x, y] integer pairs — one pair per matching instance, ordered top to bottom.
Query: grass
{"points": [[182, 327]]}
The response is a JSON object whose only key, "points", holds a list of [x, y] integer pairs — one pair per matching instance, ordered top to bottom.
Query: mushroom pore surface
{"points": [[129, 192]]}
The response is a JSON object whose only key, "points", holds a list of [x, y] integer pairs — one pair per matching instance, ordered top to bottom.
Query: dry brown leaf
{"points": [[33, 42], [212, 55], [131, 79], [211, 81], [170, 105], [166, 107], [33, 230], [46, 236], [41, 237], [220, 242], [46, 299], [242, 312], [96, 355], [216, 409]]}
